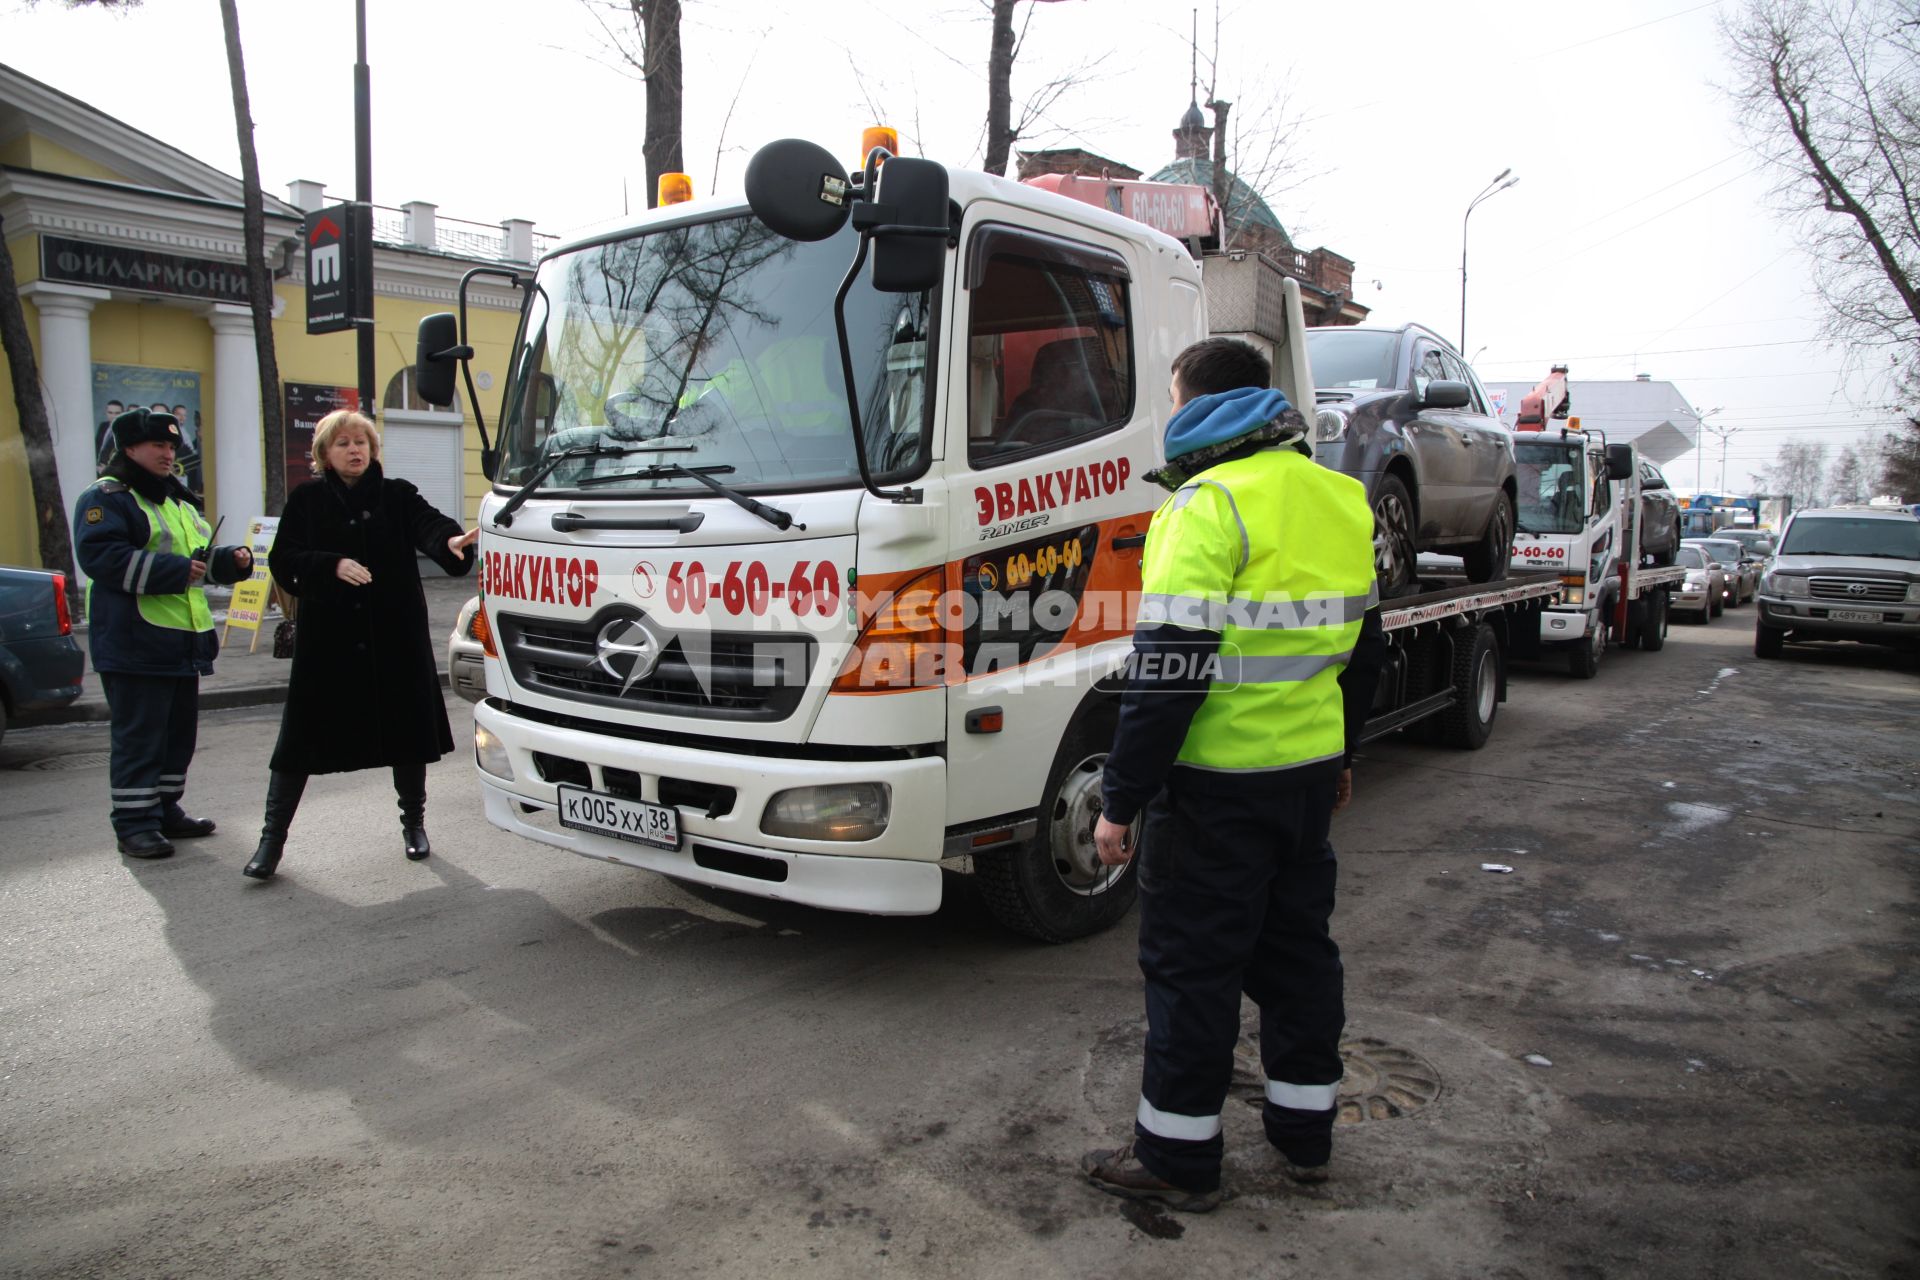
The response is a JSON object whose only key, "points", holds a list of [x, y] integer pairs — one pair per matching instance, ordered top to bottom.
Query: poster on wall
{"points": [[119, 387], [307, 403]]}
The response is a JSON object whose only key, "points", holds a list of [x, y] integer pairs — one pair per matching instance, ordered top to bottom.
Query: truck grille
{"points": [[1859, 590], [750, 677]]}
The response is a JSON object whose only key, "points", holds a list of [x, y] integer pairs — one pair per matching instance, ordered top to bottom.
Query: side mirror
{"points": [[798, 190], [910, 193], [437, 356], [1444, 393], [1619, 462]]}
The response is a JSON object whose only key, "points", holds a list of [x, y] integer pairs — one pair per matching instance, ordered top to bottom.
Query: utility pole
{"points": [[363, 205], [1724, 433], [1699, 445]]}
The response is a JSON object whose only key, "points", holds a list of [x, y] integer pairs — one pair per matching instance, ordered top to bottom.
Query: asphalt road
{"points": [[507, 1061]]}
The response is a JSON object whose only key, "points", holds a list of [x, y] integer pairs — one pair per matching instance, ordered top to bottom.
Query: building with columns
{"points": [[130, 263]]}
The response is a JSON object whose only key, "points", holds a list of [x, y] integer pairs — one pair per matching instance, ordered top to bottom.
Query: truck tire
{"points": [[1395, 552], [1487, 560], [1636, 624], [1653, 630], [1768, 642], [1583, 659], [1476, 691], [1053, 888]]}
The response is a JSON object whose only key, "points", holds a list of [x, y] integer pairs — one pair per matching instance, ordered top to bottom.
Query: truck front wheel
{"points": [[1583, 660], [1055, 888]]}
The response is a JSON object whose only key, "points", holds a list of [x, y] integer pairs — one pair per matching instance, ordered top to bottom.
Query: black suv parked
{"points": [[1401, 412]]}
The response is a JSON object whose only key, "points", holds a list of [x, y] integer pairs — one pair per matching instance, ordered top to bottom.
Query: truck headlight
{"points": [[1329, 425], [1791, 584], [1913, 593], [491, 754], [845, 811]]}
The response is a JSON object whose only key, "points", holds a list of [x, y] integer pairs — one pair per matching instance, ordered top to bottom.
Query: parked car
{"points": [[1401, 412], [1659, 515], [1759, 543], [1842, 573], [1743, 574], [1703, 591], [466, 653], [41, 664]]}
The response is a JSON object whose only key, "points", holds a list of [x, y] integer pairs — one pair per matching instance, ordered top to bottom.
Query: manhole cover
{"points": [[56, 764], [1382, 1081]]}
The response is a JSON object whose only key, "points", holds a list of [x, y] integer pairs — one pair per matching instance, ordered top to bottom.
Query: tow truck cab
{"points": [[814, 537]]}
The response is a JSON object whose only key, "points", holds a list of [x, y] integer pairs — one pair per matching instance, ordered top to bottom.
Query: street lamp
{"points": [[1500, 183]]}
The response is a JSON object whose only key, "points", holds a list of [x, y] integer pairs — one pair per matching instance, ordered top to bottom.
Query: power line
{"points": [[1669, 351]]}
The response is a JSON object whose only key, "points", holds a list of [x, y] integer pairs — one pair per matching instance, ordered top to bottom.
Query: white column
{"points": [[66, 366], [238, 460]]}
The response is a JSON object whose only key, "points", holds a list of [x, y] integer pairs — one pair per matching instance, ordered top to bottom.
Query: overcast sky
{"points": [[1640, 238]]}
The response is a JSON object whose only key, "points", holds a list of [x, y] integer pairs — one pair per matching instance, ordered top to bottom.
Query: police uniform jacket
{"points": [[129, 556], [364, 691]]}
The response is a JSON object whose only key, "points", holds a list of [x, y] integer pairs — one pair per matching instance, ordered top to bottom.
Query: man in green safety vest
{"points": [[143, 544], [1256, 653]]}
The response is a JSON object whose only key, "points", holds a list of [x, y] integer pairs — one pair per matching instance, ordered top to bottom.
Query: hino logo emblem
{"points": [[1856, 588], [629, 640]]}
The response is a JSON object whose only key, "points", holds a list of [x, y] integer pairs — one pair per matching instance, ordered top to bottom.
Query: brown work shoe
{"points": [[1118, 1172], [1306, 1174]]}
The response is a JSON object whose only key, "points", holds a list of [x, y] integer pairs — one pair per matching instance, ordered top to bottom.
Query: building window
{"points": [[403, 393]]}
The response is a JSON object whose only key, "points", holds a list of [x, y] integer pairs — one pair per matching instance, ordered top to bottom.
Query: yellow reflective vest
{"points": [[1275, 552]]}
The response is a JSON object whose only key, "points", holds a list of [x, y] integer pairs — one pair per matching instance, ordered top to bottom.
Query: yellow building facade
{"points": [[129, 259]]}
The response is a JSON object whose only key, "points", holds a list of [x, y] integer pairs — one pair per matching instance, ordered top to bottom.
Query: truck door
{"points": [[1048, 476]]}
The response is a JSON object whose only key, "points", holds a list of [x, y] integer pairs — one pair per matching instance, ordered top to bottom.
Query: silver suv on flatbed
{"points": [[1842, 573]]}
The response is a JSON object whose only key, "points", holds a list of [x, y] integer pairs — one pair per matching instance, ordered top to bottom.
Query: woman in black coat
{"points": [[364, 692]]}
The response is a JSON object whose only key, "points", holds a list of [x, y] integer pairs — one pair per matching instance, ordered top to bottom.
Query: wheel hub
{"points": [[1076, 860]]}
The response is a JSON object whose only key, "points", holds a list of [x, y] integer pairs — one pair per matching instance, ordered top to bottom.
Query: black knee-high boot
{"points": [[410, 793], [283, 797]]}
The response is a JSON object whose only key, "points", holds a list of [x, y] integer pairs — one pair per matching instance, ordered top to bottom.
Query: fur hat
{"points": [[138, 426]]}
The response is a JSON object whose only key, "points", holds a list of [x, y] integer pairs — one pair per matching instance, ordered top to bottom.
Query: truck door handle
{"points": [[567, 521], [1127, 541]]}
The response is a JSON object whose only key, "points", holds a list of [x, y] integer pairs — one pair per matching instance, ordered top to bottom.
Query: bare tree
{"points": [[645, 35], [1828, 92], [1003, 130], [253, 221], [1899, 459], [1799, 471], [43, 474], [1847, 479]]}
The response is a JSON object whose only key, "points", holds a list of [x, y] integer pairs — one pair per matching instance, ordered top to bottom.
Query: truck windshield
{"points": [[715, 341], [1352, 359], [1553, 492], [1853, 536]]}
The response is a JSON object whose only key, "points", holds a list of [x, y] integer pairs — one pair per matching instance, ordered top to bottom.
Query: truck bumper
{"points": [[1557, 625], [896, 873]]}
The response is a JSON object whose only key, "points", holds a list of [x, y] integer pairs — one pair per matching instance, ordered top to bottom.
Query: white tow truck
{"points": [[1580, 518], [813, 547]]}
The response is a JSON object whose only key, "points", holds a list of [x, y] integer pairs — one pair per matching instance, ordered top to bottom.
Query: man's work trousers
{"points": [[155, 719], [1236, 888]]}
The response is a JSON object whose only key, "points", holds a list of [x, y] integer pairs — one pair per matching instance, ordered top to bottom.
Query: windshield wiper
{"points": [[504, 517], [779, 519]]}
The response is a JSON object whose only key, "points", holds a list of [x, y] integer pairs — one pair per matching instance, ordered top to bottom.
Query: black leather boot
{"points": [[410, 793], [283, 797]]}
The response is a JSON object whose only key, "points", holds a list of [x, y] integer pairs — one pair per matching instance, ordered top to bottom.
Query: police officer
{"points": [[143, 545], [1256, 652]]}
